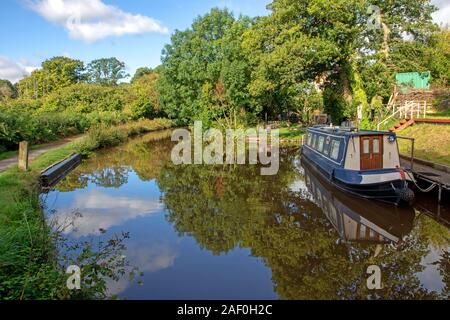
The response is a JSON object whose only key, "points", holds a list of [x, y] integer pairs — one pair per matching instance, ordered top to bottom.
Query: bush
{"points": [[19, 126], [102, 136]]}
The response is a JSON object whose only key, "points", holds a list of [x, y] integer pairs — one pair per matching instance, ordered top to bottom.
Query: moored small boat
{"points": [[361, 162]]}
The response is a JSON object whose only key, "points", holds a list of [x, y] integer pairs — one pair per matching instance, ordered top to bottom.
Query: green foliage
{"points": [[298, 43], [106, 71], [140, 72], [56, 73], [205, 73], [7, 90], [145, 97], [85, 98], [73, 109], [16, 127], [104, 136]]}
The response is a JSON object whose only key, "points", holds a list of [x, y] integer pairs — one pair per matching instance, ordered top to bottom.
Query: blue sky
{"points": [[134, 31]]}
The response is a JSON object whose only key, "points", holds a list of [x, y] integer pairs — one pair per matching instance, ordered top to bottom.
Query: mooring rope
{"points": [[434, 184]]}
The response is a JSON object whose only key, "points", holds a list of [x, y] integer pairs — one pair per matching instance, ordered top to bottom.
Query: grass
{"points": [[445, 114], [389, 124], [291, 133], [432, 142], [14, 153], [28, 268]]}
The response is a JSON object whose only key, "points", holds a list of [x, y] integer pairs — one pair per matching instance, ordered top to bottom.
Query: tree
{"points": [[302, 41], [298, 43], [106, 71], [140, 72], [204, 72], [55, 73], [7, 90], [145, 102]]}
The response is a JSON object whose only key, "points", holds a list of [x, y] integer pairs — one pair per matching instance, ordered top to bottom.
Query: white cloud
{"points": [[442, 16], [92, 20], [12, 70], [102, 211], [148, 257]]}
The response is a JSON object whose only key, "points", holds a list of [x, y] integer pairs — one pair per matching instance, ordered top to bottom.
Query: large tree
{"points": [[300, 42], [349, 46], [106, 71], [55, 73], [205, 73]]}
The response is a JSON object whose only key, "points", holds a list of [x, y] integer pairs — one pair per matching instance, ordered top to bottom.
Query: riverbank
{"points": [[432, 142], [10, 158], [28, 265]]}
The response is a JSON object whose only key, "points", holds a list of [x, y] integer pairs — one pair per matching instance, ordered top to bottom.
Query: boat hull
{"points": [[391, 191]]}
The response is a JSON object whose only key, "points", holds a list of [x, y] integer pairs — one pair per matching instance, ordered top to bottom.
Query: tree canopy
{"points": [[345, 51], [106, 71], [55, 73], [205, 73], [7, 90]]}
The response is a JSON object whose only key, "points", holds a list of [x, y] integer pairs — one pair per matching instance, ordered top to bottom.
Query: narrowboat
{"points": [[364, 163]]}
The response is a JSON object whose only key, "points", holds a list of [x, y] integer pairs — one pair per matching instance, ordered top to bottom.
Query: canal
{"points": [[226, 232]]}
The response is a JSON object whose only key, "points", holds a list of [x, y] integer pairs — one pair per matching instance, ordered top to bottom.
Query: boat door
{"points": [[371, 152]]}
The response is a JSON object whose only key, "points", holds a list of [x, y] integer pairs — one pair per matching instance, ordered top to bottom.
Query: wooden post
{"points": [[23, 155], [440, 194]]}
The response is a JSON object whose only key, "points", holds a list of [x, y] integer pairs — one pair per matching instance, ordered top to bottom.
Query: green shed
{"points": [[415, 80]]}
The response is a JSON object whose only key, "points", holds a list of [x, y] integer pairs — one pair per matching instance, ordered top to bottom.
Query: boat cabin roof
{"points": [[347, 131]]}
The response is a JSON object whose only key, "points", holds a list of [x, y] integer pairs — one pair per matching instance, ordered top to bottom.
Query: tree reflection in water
{"points": [[223, 207], [290, 220]]}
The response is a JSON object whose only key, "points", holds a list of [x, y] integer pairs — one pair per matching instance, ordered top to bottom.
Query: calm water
{"points": [[221, 232]]}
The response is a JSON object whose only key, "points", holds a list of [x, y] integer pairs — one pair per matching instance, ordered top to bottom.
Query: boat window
{"points": [[309, 138], [313, 140], [316, 141], [321, 141], [366, 146], [376, 146], [326, 148], [335, 149]]}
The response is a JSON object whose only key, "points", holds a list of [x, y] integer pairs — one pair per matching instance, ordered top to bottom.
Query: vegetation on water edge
{"points": [[50, 105], [102, 136], [432, 142], [29, 265]]}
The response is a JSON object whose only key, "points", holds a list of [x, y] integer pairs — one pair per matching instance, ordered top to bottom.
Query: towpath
{"points": [[7, 163]]}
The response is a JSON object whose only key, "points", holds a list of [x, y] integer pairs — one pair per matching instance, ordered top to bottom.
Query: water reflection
{"points": [[359, 219], [228, 232]]}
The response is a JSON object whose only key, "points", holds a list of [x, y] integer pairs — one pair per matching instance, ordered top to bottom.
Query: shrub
{"points": [[102, 136]]}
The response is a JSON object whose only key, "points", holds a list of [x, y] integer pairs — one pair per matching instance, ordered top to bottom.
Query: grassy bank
{"points": [[291, 133], [432, 142], [28, 267]]}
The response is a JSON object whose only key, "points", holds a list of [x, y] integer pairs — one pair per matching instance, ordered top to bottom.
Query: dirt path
{"points": [[7, 163]]}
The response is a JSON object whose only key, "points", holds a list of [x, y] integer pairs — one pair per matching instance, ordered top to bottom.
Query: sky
{"points": [[134, 31]]}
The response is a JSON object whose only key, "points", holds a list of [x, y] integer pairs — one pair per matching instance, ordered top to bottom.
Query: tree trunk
{"points": [[386, 34], [345, 84]]}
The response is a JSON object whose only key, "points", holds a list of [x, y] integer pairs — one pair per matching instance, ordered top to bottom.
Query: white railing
{"points": [[409, 109], [386, 119]]}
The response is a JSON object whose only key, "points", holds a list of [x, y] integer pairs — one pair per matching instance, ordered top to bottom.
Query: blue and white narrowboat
{"points": [[361, 162]]}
